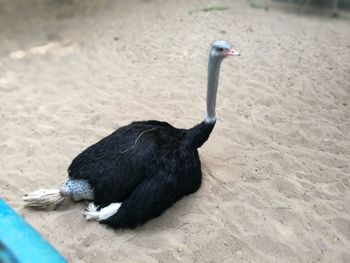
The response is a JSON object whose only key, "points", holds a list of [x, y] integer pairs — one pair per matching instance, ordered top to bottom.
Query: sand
{"points": [[276, 167]]}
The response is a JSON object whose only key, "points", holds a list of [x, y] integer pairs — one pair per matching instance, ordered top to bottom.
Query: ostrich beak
{"points": [[232, 52]]}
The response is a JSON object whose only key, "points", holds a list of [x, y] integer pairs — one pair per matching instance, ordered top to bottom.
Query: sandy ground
{"points": [[276, 168]]}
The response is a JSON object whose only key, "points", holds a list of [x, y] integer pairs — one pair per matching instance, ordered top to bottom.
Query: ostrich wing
{"points": [[119, 162], [148, 200]]}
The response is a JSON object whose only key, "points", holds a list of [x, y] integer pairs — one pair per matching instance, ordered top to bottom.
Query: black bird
{"points": [[141, 169]]}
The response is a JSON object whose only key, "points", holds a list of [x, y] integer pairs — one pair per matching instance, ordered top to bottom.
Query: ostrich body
{"points": [[141, 169]]}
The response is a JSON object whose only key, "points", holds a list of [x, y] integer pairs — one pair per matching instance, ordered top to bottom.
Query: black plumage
{"points": [[146, 165]]}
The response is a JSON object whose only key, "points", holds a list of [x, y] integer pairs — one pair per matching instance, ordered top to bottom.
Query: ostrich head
{"points": [[220, 49]]}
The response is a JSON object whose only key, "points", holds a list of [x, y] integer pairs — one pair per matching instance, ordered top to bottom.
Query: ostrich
{"points": [[141, 169]]}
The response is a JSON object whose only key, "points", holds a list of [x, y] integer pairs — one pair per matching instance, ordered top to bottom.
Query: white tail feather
{"points": [[44, 199], [106, 212]]}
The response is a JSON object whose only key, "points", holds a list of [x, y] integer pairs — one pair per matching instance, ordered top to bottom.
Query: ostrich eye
{"points": [[220, 49]]}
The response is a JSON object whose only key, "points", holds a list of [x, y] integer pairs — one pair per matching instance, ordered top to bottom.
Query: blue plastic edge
{"points": [[26, 244]]}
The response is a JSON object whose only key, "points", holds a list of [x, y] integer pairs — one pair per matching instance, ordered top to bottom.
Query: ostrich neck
{"points": [[212, 89]]}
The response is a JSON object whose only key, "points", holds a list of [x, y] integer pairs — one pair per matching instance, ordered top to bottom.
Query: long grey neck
{"points": [[213, 81]]}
